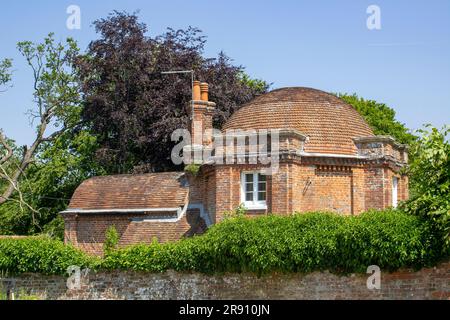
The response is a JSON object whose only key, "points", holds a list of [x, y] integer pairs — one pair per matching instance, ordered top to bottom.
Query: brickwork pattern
{"points": [[87, 232], [430, 283]]}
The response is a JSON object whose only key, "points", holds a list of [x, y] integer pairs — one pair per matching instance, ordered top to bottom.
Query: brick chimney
{"points": [[201, 113]]}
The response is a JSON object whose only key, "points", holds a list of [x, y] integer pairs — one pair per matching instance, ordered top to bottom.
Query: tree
{"points": [[5, 72], [57, 107], [132, 108], [380, 117], [430, 178], [48, 185]]}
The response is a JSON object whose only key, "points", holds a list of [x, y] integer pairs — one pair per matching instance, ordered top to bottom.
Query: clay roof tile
{"points": [[329, 122], [143, 191]]}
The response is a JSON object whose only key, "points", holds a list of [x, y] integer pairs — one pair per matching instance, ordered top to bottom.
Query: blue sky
{"points": [[321, 44]]}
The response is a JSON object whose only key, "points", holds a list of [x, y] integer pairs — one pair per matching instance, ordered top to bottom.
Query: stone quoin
{"points": [[328, 159]]}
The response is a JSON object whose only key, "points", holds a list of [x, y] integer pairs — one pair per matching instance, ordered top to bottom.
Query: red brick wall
{"points": [[387, 184], [295, 187], [302, 187], [336, 188], [374, 188], [403, 188], [228, 189], [282, 189], [378, 190], [224, 191], [332, 192], [358, 192], [210, 193], [88, 231], [429, 283]]}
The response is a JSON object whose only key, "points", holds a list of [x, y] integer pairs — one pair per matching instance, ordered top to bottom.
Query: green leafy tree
{"points": [[5, 72], [257, 85], [57, 103], [380, 117], [6, 145], [430, 178], [36, 181], [49, 183]]}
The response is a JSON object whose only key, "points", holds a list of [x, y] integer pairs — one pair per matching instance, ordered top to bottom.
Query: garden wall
{"points": [[431, 283]]}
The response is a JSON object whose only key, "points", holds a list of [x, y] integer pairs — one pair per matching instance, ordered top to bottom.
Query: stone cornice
{"points": [[235, 133], [382, 139], [318, 159]]}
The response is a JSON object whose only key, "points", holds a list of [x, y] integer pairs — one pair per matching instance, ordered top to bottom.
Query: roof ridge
{"points": [[299, 87], [180, 173]]}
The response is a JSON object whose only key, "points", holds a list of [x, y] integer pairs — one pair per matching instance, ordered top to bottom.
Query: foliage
{"points": [[5, 71], [257, 85], [57, 92], [56, 100], [132, 108], [380, 118], [193, 169], [48, 171], [430, 179], [48, 185], [240, 211], [111, 240], [300, 243], [40, 255]]}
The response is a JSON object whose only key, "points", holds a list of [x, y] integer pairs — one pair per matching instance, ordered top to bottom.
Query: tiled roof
{"points": [[329, 122], [143, 191]]}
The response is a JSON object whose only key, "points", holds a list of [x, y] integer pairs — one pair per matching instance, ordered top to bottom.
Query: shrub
{"points": [[193, 169], [430, 180], [240, 211], [111, 240], [300, 243], [40, 255]]}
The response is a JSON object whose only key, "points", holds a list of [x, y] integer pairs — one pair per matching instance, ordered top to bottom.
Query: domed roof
{"points": [[329, 122]]}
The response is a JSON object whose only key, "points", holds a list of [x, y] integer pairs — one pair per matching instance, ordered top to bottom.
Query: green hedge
{"points": [[299, 243], [40, 255]]}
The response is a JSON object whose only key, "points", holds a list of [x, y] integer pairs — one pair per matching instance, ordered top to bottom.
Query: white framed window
{"points": [[254, 190], [394, 192]]}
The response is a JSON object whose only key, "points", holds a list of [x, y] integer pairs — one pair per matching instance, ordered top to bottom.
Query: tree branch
{"points": [[53, 98], [54, 135], [9, 150], [14, 186]]}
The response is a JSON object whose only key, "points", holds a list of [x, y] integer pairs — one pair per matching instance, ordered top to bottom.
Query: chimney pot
{"points": [[204, 91], [196, 95]]}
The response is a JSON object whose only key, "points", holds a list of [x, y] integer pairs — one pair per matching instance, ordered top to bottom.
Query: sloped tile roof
{"points": [[329, 122], [143, 191]]}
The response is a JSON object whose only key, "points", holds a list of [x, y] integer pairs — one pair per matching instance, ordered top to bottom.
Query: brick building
{"points": [[321, 155]]}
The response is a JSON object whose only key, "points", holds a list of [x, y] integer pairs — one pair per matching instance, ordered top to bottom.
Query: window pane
{"points": [[249, 178], [262, 186], [248, 187], [249, 196], [261, 196]]}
